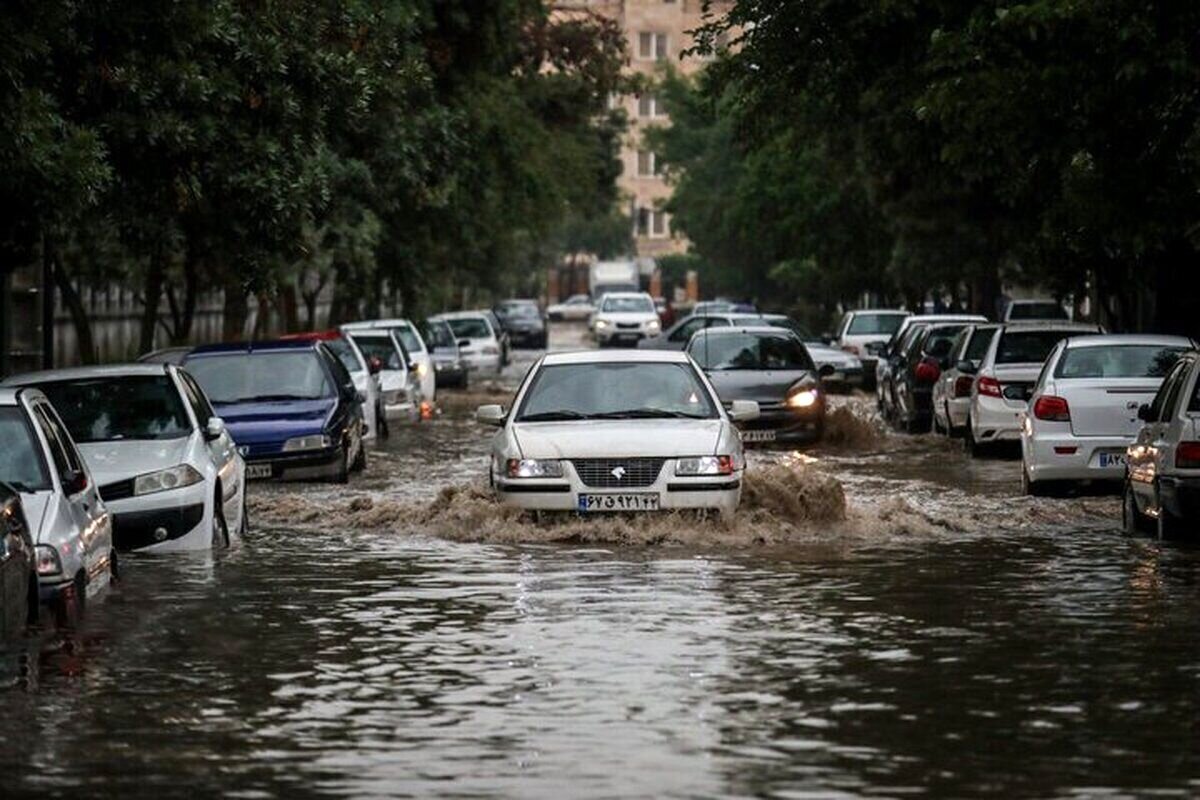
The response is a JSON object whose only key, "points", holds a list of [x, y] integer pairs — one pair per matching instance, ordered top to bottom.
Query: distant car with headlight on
{"points": [[625, 318], [771, 367], [631, 432], [165, 465]]}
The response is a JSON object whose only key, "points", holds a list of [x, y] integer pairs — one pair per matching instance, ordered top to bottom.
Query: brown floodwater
{"points": [[884, 617]]}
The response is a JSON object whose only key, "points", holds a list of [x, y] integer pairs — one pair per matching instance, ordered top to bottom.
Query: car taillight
{"points": [[927, 372], [962, 386], [989, 386], [1052, 409], [1187, 455]]}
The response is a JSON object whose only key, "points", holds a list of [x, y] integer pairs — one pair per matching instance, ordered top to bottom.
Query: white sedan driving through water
{"points": [[596, 432]]}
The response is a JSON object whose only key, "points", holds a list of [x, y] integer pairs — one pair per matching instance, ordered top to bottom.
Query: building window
{"points": [[652, 46], [649, 107], [648, 164], [653, 223]]}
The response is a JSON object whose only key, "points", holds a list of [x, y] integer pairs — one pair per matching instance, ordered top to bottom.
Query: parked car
{"points": [[712, 307], [576, 308], [1035, 310], [625, 318], [523, 322], [865, 334], [501, 335], [678, 335], [899, 340], [477, 342], [414, 344], [448, 365], [772, 367], [845, 371], [915, 372], [1007, 373], [366, 381], [399, 387], [952, 392], [291, 407], [1083, 413], [634, 432], [166, 468], [1162, 483], [70, 526], [19, 602]]}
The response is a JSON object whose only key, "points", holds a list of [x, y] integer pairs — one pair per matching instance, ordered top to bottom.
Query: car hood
{"points": [[763, 386], [254, 422], [618, 438], [119, 460]]}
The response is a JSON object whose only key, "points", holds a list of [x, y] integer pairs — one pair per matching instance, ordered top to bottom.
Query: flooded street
{"points": [[884, 618]]}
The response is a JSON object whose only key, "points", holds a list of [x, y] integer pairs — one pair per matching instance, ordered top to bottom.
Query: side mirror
{"points": [[374, 365], [413, 366], [966, 367], [826, 371], [744, 410], [1144, 413], [491, 414], [214, 428], [74, 481]]}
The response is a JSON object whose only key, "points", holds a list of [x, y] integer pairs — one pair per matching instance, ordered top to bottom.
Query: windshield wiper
{"points": [[647, 413], [553, 416]]}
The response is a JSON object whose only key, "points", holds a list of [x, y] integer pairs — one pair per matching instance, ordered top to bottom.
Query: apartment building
{"points": [[658, 32]]}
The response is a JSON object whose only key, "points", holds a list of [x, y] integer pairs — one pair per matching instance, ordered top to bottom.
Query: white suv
{"points": [[625, 318]]}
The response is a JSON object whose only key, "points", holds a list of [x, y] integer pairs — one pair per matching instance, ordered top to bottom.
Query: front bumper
{"points": [[533, 337], [618, 337], [447, 375], [995, 419], [790, 426], [1043, 463], [297, 466], [715, 492], [173, 519]]}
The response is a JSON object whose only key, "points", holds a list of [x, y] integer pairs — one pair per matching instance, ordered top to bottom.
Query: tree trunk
{"points": [[151, 294], [345, 296], [286, 302], [74, 303], [233, 322]]}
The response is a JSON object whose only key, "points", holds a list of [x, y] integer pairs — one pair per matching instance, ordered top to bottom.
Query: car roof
{"points": [[607, 295], [894, 311], [463, 314], [946, 318], [390, 322], [1050, 325], [772, 330], [378, 333], [312, 336], [1101, 339], [251, 347], [610, 356], [77, 373]]}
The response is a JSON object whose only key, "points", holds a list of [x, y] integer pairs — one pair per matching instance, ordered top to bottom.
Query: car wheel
{"points": [[381, 423], [973, 448], [360, 460], [341, 473], [1032, 488], [1133, 522], [1167, 523], [244, 525], [220, 528], [33, 601], [70, 603]]}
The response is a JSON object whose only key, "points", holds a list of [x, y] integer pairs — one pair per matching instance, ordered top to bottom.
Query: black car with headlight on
{"points": [[772, 367]]}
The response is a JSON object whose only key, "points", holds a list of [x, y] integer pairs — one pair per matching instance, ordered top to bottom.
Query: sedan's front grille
{"points": [[628, 326], [618, 473], [117, 490]]}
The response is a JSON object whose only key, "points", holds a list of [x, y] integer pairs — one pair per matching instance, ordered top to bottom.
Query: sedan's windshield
{"points": [[622, 305], [870, 324], [470, 328], [380, 347], [1028, 347], [749, 351], [1118, 361], [265, 375], [616, 391], [130, 407], [21, 463]]}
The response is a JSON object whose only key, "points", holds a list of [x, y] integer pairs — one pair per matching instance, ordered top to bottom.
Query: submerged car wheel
{"points": [[381, 423], [972, 447], [360, 460], [341, 473], [1032, 488], [1133, 521], [1168, 524], [244, 525], [220, 528], [33, 601], [69, 605]]}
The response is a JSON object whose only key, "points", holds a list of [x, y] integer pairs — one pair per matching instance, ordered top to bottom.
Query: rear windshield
{"points": [[628, 304], [1047, 310], [881, 324], [470, 328], [940, 340], [981, 340], [380, 347], [1028, 347], [749, 351], [1118, 361], [262, 376], [616, 391], [109, 409], [21, 463]]}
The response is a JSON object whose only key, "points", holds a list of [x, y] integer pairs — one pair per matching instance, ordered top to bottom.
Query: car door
{"points": [[222, 450], [1145, 457]]}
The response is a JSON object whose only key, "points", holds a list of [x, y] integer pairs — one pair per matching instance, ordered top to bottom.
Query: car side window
{"points": [[717, 322], [685, 331], [341, 375], [1168, 391], [1175, 397], [195, 399], [65, 458]]}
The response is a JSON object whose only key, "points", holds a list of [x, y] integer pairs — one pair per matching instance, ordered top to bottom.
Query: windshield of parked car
{"points": [[620, 305], [1046, 310], [524, 311], [875, 324], [470, 328], [439, 336], [408, 338], [981, 340], [380, 347], [1028, 347], [749, 351], [345, 353], [1118, 361], [262, 376], [616, 391], [118, 408], [21, 463]]}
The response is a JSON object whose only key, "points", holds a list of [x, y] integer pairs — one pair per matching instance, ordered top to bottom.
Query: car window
{"points": [[620, 305], [1046, 310], [875, 324], [470, 328], [686, 328], [437, 333], [907, 339], [939, 341], [980, 341], [380, 347], [1028, 347], [750, 351], [345, 353], [1118, 361], [264, 375], [341, 375], [1169, 387], [615, 390], [196, 399], [1171, 404], [119, 408], [66, 459], [22, 463]]}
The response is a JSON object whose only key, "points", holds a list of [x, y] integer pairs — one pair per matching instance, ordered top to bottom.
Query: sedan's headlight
{"points": [[602, 324], [653, 326], [422, 369], [804, 398], [315, 442], [706, 465], [533, 468], [166, 479], [48, 562]]}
